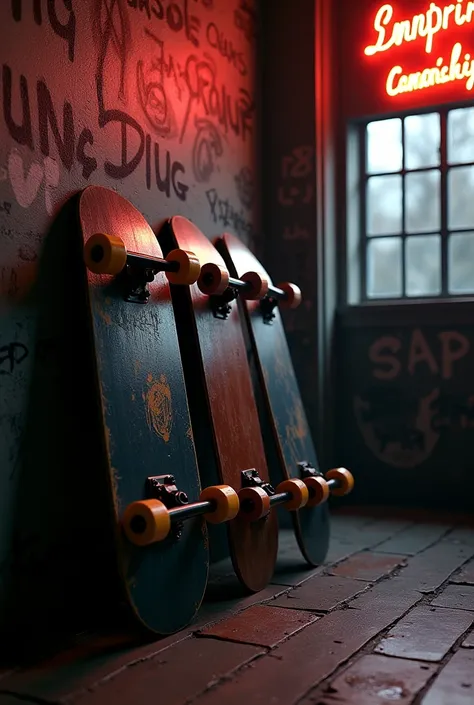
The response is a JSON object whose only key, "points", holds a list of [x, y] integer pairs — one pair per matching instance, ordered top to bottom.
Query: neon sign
{"points": [[458, 66]]}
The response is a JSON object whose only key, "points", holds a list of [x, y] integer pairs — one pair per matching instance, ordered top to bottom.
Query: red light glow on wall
{"points": [[440, 56]]}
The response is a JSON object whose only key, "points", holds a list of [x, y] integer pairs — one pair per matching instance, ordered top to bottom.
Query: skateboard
{"points": [[223, 408], [290, 449], [158, 510]]}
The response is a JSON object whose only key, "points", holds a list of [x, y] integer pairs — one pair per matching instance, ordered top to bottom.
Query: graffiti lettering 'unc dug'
{"points": [[391, 33], [160, 169]]}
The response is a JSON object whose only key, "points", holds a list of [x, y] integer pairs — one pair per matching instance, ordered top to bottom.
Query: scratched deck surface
{"points": [[219, 348], [145, 419], [291, 434]]}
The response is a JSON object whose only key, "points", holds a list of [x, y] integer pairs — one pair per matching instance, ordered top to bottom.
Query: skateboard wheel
{"points": [[105, 254], [189, 267], [213, 280], [259, 286], [293, 295], [345, 479], [318, 489], [298, 490], [226, 500], [254, 503], [146, 522]]}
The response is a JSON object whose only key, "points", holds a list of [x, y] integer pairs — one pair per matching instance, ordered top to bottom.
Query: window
{"points": [[417, 206]]}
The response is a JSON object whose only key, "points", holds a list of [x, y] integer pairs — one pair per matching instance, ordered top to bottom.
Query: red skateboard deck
{"points": [[223, 408], [288, 438]]}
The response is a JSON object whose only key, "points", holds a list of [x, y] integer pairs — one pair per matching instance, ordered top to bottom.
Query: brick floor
{"points": [[413, 539], [368, 565], [465, 575], [321, 594], [457, 596], [396, 609], [261, 625], [426, 633], [468, 642], [373, 679], [455, 683]]}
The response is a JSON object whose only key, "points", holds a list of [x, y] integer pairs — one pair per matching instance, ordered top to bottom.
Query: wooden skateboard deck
{"points": [[223, 408], [282, 409], [145, 420]]}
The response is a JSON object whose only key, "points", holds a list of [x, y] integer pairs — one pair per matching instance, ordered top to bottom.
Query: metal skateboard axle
{"points": [[107, 254], [135, 259], [215, 280], [271, 290], [257, 497], [151, 520]]}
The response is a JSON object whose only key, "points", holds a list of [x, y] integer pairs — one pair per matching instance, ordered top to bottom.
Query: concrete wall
{"points": [[153, 98]]}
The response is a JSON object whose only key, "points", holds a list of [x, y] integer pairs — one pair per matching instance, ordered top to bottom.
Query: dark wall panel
{"points": [[289, 186], [407, 413]]}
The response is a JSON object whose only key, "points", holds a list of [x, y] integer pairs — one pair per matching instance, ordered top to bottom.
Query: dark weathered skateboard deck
{"points": [[224, 412], [145, 420], [290, 434]]}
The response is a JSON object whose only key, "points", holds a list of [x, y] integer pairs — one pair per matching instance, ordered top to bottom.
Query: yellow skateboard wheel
{"points": [[105, 254], [189, 267], [213, 279], [258, 286], [293, 295], [345, 479], [298, 490], [318, 490], [226, 501], [254, 503], [146, 522]]}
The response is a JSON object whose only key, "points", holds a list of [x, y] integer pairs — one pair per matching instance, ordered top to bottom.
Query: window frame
{"points": [[357, 208]]}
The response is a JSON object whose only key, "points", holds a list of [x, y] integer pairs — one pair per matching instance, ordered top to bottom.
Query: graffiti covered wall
{"points": [[152, 98], [407, 413]]}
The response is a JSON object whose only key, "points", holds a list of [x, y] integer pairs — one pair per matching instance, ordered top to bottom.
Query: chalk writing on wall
{"points": [[245, 18], [65, 30], [217, 40], [208, 97], [210, 108], [207, 149], [297, 173], [245, 187], [224, 213], [295, 232], [12, 355], [411, 402]]}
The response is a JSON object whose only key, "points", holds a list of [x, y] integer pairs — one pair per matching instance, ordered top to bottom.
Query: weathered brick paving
{"points": [[389, 617]]}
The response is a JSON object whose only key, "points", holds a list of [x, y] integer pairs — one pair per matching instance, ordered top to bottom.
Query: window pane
{"points": [[461, 135], [422, 140], [384, 146], [461, 197], [422, 201], [384, 205], [460, 264], [423, 265], [384, 267]]}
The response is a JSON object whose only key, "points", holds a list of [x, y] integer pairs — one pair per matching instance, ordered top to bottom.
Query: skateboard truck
{"points": [[107, 254], [216, 282], [286, 295], [220, 305], [337, 481], [163, 488], [257, 497], [152, 520]]}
